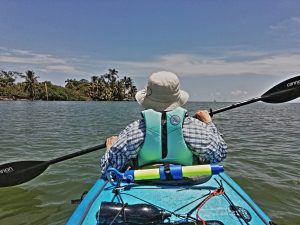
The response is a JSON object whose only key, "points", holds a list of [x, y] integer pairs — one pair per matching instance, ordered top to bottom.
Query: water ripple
{"points": [[263, 157]]}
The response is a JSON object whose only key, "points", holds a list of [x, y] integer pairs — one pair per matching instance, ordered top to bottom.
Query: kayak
{"points": [[210, 200]]}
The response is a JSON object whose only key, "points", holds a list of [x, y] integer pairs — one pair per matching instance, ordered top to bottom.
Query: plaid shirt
{"points": [[203, 140]]}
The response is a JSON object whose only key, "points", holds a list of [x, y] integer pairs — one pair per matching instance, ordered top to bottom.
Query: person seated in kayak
{"points": [[165, 133]]}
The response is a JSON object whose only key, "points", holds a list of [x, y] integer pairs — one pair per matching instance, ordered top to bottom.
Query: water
{"points": [[263, 154]]}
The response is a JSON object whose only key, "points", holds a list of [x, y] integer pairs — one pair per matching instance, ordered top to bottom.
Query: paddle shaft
{"points": [[283, 92], [235, 105], [75, 154], [15, 173]]}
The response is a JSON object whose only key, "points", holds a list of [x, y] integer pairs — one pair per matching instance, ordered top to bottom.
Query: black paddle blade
{"points": [[283, 92], [15, 173]]}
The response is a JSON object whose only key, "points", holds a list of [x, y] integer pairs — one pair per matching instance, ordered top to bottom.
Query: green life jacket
{"points": [[164, 141]]}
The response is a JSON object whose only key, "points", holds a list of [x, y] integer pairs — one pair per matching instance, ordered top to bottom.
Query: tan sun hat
{"points": [[162, 92]]}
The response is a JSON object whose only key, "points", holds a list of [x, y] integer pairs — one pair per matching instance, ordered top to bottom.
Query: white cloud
{"points": [[292, 23], [287, 30], [43, 62], [230, 62], [233, 63], [60, 68], [239, 93]]}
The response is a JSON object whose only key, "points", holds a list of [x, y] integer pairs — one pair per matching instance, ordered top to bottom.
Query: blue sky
{"points": [[223, 50]]}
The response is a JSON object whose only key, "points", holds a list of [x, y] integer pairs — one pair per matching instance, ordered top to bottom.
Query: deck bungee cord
{"points": [[175, 172], [218, 191], [249, 203], [232, 205], [127, 206], [163, 214], [185, 217]]}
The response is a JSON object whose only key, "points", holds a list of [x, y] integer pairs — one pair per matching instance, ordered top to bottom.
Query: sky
{"points": [[221, 50]]}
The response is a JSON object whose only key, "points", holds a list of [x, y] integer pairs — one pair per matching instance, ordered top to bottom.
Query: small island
{"points": [[106, 87]]}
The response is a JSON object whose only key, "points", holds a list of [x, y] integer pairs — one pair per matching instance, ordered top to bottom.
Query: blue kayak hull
{"points": [[179, 199]]}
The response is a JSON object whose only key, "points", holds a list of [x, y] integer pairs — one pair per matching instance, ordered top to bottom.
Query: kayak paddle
{"points": [[283, 92], [15, 173]]}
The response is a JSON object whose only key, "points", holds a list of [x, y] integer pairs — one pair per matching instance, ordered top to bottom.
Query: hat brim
{"points": [[148, 103]]}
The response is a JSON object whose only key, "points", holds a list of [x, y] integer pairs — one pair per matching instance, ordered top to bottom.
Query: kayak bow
{"points": [[221, 200]]}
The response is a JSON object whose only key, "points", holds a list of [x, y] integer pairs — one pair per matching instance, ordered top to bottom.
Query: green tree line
{"points": [[106, 87]]}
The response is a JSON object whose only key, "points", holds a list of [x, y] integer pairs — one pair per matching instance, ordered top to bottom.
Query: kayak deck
{"points": [[232, 207]]}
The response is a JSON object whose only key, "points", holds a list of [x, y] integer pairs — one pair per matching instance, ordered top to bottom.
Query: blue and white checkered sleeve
{"points": [[204, 140], [125, 148]]}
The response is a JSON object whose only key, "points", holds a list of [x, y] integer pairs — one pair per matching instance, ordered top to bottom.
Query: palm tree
{"points": [[113, 72], [111, 76], [7, 78], [127, 82], [30, 83], [71, 83], [94, 87], [130, 89], [103, 91], [119, 91], [132, 92]]}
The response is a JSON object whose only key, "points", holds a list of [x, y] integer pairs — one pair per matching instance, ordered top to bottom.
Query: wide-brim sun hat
{"points": [[162, 92]]}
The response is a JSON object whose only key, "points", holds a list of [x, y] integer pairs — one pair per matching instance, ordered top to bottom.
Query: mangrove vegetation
{"points": [[106, 87]]}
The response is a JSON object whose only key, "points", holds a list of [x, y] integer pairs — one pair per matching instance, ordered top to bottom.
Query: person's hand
{"points": [[203, 115], [110, 141]]}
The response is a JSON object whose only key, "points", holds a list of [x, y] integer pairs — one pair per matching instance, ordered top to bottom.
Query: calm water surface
{"points": [[263, 139]]}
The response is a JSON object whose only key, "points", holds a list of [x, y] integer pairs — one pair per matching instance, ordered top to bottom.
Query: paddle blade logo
{"points": [[295, 83], [7, 170]]}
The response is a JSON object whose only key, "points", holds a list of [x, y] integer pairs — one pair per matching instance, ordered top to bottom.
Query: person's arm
{"points": [[203, 138], [125, 147]]}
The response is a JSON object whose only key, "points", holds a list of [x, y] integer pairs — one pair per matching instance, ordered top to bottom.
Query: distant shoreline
{"points": [[106, 87], [3, 98]]}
